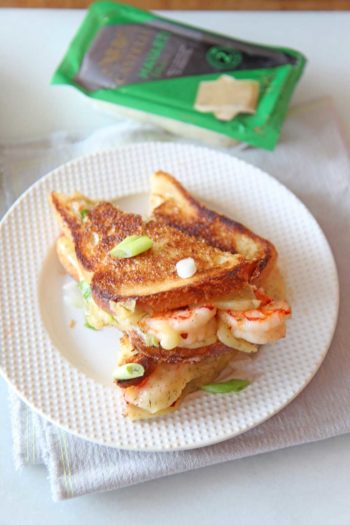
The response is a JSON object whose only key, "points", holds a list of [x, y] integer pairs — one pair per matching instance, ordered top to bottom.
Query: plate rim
{"points": [[335, 276]]}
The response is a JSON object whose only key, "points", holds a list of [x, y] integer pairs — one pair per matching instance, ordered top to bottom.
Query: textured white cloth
{"points": [[312, 161]]}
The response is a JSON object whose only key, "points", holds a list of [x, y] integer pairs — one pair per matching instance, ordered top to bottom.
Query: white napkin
{"points": [[312, 161]]}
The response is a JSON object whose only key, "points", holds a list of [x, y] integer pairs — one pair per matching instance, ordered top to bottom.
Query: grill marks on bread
{"points": [[173, 204], [150, 278]]}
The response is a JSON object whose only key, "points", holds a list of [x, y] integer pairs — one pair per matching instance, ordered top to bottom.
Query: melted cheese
{"points": [[95, 316], [122, 318], [125, 318], [182, 327], [226, 337], [169, 338]]}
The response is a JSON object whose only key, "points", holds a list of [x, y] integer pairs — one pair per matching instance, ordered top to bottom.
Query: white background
{"points": [[303, 485]]}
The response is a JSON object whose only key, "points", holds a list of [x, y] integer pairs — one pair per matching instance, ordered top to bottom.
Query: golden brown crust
{"points": [[173, 204], [104, 220], [150, 278], [209, 284], [178, 354]]}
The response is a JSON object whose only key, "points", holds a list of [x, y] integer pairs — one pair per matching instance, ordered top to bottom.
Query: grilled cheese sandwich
{"points": [[180, 331]]}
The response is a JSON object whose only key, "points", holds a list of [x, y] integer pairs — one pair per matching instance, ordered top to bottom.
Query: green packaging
{"points": [[185, 76]]}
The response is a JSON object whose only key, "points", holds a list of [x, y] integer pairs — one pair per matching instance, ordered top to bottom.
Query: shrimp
{"points": [[189, 326], [259, 326]]}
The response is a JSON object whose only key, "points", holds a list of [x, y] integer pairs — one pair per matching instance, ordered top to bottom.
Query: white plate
{"points": [[65, 373]]}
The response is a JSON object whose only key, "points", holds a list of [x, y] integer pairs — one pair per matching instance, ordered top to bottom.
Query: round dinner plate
{"points": [[65, 372]]}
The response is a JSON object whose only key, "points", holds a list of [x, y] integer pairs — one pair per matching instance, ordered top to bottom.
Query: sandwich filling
{"points": [[242, 321]]}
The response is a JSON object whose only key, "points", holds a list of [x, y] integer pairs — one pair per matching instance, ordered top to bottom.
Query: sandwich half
{"points": [[171, 203]]}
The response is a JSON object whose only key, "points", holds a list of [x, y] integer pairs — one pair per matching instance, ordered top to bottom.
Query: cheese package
{"points": [[192, 82]]}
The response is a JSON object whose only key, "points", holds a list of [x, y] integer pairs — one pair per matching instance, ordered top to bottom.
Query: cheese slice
{"points": [[226, 97]]}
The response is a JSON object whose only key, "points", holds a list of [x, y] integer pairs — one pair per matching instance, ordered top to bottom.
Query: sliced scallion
{"points": [[83, 213], [129, 239], [131, 246], [85, 289], [88, 325], [151, 340], [129, 371], [234, 385]]}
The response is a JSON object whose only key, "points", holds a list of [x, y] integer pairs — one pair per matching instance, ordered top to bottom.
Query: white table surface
{"points": [[302, 485]]}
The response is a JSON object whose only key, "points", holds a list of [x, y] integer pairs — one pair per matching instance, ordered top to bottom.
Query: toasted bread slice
{"points": [[172, 203], [93, 227], [149, 278], [178, 354], [164, 385]]}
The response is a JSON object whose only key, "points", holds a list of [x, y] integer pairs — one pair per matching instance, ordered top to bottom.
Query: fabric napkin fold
{"points": [[312, 161]]}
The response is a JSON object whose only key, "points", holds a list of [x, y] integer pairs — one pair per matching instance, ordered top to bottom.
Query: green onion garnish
{"points": [[83, 213], [131, 246], [85, 289], [88, 325], [151, 340], [129, 371], [234, 385]]}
